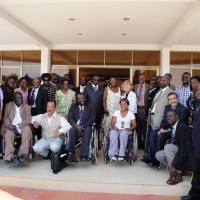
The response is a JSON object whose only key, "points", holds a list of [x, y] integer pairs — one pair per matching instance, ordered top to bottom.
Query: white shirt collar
{"points": [[94, 85], [54, 115], [174, 127]]}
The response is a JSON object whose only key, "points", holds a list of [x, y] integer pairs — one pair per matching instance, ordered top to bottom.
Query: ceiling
{"points": [[152, 24]]}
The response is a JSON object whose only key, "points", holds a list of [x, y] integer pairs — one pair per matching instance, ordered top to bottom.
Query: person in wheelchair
{"points": [[81, 116], [17, 118], [123, 123], [54, 127]]}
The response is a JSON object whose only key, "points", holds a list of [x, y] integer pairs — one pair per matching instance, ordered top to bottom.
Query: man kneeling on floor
{"points": [[81, 116], [17, 118], [54, 127], [175, 153]]}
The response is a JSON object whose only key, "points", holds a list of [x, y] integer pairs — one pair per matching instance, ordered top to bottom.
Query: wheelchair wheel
{"points": [[95, 143], [135, 147], [94, 159], [105, 159]]}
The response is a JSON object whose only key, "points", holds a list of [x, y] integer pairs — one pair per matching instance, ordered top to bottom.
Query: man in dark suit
{"points": [[82, 86], [141, 91], [94, 95], [37, 99], [81, 117], [16, 120], [157, 138], [194, 152], [175, 155]]}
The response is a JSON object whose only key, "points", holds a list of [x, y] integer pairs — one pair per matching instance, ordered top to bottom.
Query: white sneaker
{"points": [[112, 157], [120, 158]]}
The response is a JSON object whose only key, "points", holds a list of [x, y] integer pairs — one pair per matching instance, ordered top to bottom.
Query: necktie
{"points": [[95, 88], [140, 94], [33, 97], [155, 100], [81, 116], [172, 135]]}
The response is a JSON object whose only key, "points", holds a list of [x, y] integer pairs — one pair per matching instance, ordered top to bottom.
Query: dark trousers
{"points": [[141, 126], [37, 131], [73, 137], [156, 143], [195, 163]]}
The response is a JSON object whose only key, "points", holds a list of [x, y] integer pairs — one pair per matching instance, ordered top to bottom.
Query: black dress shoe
{"points": [[48, 156], [1, 157], [71, 157], [84, 158], [21, 159], [145, 160], [14, 161], [189, 197]]}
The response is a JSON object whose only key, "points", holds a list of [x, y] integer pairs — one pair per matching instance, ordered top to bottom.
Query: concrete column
{"points": [[45, 60], [164, 61]]}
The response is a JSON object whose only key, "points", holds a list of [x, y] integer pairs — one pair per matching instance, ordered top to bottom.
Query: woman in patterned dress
{"points": [[64, 98]]}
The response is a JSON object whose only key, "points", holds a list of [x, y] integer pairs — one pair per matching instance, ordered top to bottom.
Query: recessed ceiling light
{"points": [[71, 19], [126, 19], [123, 33], [79, 34]]}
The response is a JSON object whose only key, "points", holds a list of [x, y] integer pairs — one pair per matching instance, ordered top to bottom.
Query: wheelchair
{"points": [[17, 144], [93, 146], [131, 153]]}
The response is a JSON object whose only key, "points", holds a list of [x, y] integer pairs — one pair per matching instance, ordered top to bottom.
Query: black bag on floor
{"points": [[58, 161]]}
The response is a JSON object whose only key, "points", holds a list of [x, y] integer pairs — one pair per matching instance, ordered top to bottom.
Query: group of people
{"points": [[166, 119]]}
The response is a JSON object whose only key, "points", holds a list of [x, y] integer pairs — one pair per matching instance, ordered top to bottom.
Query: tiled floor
{"points": [[114, 177], [14, 193]]}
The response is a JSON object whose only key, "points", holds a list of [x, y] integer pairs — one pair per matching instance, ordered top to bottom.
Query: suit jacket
{"points": [[135, 88], [95, 98], [150, 100], [40, 101], [161, 102], [25, 113], [88, 114], [182, 115], [182, 135], [195, 140]]}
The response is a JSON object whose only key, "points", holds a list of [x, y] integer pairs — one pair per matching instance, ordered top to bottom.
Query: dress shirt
{"points": [[95, 86], [82, 88], [183, 94], [24, 95], [35, 95], [155, 98], [17, 119], [65, 126], [173, 131]]}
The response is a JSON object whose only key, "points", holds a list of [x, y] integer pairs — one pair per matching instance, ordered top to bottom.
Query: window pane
{"points": [[31, 57], [63, 57], [118, 57], [11, 58], [90, 58], [146, 58], [0, 59], [181, 59], [196, 60], [31, 71], [8, 72], [195, 72], [120, 74], [177, 74]]}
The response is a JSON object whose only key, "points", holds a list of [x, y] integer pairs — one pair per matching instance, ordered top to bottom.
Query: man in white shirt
{"points": [[80, 89], [17, 119], [54, 127]]}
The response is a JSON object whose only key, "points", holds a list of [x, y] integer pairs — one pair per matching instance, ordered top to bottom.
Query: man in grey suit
{"points": [[141, 91], [94, 95], [17, 119]]}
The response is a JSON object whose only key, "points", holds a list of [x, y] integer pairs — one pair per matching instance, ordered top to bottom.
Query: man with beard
{"points": [[81, 117], [53, 126]]}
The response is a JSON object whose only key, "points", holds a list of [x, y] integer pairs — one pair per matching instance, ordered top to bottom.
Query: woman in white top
{"points": [[127, 87], [111, 98], [123, 123]]}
